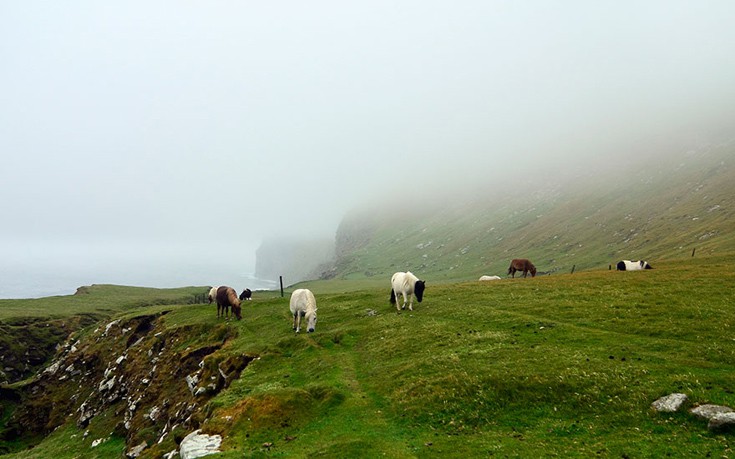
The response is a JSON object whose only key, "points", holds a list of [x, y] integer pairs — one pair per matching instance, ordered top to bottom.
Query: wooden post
{"points": [[693, 250], [573, 266], [280, 278]]}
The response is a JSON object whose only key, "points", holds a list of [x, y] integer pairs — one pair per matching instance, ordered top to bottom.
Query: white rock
{"points": [[107, 385], [669, 403], [707, 412], [722, 421], [197, 445], [136, 450]]}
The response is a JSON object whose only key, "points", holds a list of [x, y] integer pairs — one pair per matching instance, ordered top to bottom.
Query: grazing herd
{"points": [[303, 303]]}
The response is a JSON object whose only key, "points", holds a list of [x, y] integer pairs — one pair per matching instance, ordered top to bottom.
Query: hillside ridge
{"points": [[656, 210]]}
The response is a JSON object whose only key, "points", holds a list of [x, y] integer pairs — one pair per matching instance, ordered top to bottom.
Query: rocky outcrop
{"points": [[27, 344], [134, 375], [719, 418]]}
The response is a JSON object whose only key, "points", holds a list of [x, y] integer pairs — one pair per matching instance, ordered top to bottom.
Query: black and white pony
{"points": [[634, 265], [408, 285], [246, 294], [303, 304]]}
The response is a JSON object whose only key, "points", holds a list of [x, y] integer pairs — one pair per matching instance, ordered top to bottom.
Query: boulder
{"points": [[669, 403], [707, 412], [722, 422], [197, 445], [136, 451]]}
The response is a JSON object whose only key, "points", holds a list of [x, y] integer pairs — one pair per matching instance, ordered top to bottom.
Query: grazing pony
{"points": [[521, 264], [628, 265], [489, 278], [408, 285], [246, 295], [212, 296], [226, 297], [303, 304]]}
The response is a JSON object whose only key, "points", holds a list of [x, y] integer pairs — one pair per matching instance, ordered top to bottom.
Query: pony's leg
{"points": [[405, 300], [410, 302], [297, 318], [294, 320]]}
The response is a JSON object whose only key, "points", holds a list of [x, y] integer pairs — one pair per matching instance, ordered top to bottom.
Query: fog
{"points": [[173, 137]]}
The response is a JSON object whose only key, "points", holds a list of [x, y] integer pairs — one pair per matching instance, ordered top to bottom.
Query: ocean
{"points": [[38, 281]]}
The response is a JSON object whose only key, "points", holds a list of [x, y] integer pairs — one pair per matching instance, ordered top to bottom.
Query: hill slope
{"points": [[658, 210], [564, 365]]}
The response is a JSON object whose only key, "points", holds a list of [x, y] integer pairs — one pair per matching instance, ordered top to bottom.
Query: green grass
{"points": [[659, 212], [98, 300], [556, 366]]}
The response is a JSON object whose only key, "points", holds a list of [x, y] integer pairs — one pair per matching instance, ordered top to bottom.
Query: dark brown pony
{"points": [[521, 264], [226, 297]]}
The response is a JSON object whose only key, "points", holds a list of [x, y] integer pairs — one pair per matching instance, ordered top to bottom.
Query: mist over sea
{"points": [[37, 281]]}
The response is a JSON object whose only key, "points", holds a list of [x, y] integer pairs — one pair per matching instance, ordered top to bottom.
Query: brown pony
{"points": [[521, 264], [226, 297]]}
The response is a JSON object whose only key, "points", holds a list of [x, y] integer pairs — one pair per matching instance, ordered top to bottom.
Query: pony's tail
{"points": [[392, 297]]}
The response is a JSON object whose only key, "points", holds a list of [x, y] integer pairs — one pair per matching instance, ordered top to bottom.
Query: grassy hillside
{"points": [[657, 210], [31, 329], [556, 366]]}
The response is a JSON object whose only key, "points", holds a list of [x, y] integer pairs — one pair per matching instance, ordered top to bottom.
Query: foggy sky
{"points": [[179, 127]]}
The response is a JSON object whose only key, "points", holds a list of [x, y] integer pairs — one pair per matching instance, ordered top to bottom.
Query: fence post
{"points": [[693, 250], [573, 266], [280, 279]]}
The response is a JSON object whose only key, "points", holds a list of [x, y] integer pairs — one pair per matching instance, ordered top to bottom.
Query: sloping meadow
{"points": [[556, 365], [562, 365]]}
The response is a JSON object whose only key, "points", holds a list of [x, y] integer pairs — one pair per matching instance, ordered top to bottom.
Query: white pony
{"points": [[628, 265], [489, 278], [407, 285], [212, 294], [303, 304]]}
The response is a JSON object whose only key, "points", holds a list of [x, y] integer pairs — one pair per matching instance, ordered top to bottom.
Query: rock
{"points": [[53, 368], [191, 381], [107, 385], [669, 403], [707, 412], [153, 414], [722, 421], [197, 445], [136, 451]]}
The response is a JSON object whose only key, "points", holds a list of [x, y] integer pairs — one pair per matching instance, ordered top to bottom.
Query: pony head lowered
{"points": [[521, 264], [633, 265], [408, 285], [246, 294], [212, 295], [226, 297], [303, 304]]}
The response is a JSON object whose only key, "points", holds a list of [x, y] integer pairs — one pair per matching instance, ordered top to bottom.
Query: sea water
{"points": [[19, 280]]}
